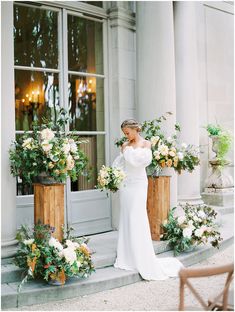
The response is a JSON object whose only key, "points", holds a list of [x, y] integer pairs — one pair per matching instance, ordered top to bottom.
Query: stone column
{"points": [[122, 76], [155, 80], [187, 102], [8, 216]]}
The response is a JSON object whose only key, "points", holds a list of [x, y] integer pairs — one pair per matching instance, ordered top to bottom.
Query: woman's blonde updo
{"points": [[131, 123]]}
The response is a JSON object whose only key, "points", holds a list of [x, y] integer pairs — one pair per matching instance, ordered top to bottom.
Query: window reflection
{"points": [[35, 37], [85, 45], [36, 95], [86, 103], [95, 151]]}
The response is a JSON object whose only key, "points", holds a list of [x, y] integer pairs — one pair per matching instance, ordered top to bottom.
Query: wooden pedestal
{"points": [[158, 203], [49, 206]]}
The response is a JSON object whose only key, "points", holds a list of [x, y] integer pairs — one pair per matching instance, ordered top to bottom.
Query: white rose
{"points": [[47, 134], [170, 139], [27, 143], [184, 145], [46, 146], [73, 147], [66, 148], [163, 149], [172, 154], [156, 155], [180, 155], [69, 162], [50, 165], [201, 214], [181, 219], [187, 232], [199, 232], [28, 241], [55, 243], [70, 255], [78, 264]]}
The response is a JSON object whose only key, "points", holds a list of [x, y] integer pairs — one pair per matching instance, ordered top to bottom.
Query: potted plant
{"points": [[221, 142], [47, 157], [194, 227], [44, 257]]}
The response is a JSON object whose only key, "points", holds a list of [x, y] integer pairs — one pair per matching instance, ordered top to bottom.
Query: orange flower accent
{"points": [[163, 164], [34, 246], [84, 250], [31, 263]]}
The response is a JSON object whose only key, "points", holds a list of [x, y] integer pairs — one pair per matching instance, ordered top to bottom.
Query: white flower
{"points": [[47, 134], [170, 139], [154, 140], [28, 143], [184, 145], [46, 146], [73, 147], [66, 148], [163, 149], [172, 153], [156, 155], [180, 155], [76, 157], [69, 162], [50, 165], [201, 214], [195, 218], [181, 219], [190, 223], [187, 232], [199, 232], [28, 241], [55, 243], [73, 245], [70, 255], [78, 264]]}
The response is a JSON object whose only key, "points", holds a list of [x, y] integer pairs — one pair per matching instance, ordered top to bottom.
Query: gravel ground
{"points": [[144, 295]]}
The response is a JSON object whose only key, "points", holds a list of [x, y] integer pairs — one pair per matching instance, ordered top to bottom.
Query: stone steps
{"points": [[101, 258], [106, 276]]}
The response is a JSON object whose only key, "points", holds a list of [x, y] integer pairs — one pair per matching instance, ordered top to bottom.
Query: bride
{"points": [[135, 249]]}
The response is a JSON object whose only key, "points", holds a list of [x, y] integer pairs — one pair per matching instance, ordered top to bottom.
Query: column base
{"points": [[192, 200], [9, 248]]}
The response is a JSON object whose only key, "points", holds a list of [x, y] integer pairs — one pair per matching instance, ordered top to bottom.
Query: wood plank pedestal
{"points": [[158, 203], [49, 206]]}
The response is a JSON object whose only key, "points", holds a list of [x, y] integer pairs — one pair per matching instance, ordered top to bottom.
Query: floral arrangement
{"points": [[224, 141], [48, 151], [167, 151], [110, 178], [196, 226], [43, 256]]}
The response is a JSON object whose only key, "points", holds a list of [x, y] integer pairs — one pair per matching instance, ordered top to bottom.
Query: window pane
{"points": [[35, 37], [85, 45], [36, 95], [86, 103], [95, 151]]}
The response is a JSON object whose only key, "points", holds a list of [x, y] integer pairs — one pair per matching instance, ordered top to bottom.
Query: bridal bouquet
{"points": [[110, 178], [195, 227], [43, 256]]}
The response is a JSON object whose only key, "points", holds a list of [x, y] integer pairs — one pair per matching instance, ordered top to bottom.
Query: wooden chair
{"points": [[220, 302]]}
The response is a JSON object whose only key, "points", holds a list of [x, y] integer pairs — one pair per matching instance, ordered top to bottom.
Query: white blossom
{"points": [[47, 134], [154, 140], [28, 143], [184, 145], [46, 146], [66, 148], [163, 149], [180, 155], [181, 219], [187, 232], [199, 232], [28, 241], [53, 242], [69, 254]]}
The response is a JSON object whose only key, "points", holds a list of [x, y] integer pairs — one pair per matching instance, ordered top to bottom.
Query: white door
{"points": [[60, 56]]}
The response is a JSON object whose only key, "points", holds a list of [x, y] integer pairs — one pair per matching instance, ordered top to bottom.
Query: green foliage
{"points": [[48, 150], [196, 226], [42, 256]]}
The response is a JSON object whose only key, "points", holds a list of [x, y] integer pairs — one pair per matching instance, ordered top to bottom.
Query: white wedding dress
{"points": [[135, 249]]}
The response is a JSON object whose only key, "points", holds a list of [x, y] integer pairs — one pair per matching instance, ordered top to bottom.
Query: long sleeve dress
{"points": [[135, 249]]}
